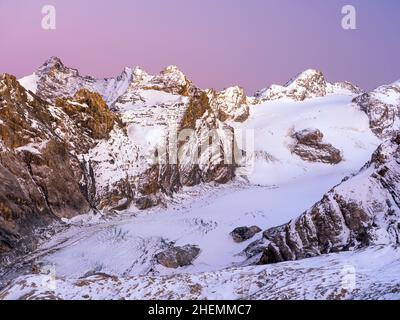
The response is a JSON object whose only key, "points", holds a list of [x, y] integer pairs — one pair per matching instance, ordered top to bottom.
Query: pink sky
{"points": [[216, 43]]}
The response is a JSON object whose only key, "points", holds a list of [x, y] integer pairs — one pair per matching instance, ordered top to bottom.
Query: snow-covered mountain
{"points": [[54, 80], [308, 84], [165, 180]]}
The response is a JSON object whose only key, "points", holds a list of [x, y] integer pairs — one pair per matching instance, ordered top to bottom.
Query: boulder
{"points": [[145, 202], [241, 234], [176, 257]]}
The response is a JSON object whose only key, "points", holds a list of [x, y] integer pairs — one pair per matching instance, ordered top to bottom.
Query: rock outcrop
{"points": [[170, 80], [230, 104], [382, 106], [89, 111], [309, 147], [241, 234], [176, 257]]}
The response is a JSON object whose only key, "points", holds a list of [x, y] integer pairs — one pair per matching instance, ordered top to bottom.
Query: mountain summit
{"points": [[308, 84]]}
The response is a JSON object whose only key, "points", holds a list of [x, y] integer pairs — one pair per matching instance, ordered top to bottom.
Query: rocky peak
{"points": [[52, 62], [54, 66], [172, 69], [127, 73], [139, 73], [308, 78], [54, 80], [171, 80], [308, 84], [234, 92], [230, 104]]}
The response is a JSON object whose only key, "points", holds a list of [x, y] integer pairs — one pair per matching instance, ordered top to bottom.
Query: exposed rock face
{"points": [[308, 84], [230, 104], [383, 109], [90, 112], [309, 147], [201, 160], [183, 162], [41, 178], [363, 210], [241, 234], [176, 257]]}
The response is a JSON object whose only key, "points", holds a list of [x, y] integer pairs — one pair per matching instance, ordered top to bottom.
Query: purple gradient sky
{"points": [[216, 43]]}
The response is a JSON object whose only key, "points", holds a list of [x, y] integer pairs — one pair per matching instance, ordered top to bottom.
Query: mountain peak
{"points": [[52, 62], [171, 69], [138, 71], [174, 72], [306, 74], [307, 84]]}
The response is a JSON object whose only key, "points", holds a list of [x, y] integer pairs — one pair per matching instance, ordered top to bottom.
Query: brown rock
{"points": [[91, 112], [309, 147], [241, 234], [176, 257]]}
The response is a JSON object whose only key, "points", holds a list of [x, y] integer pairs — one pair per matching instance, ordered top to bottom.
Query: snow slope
{"points": [[29, 82], [341, 122]]}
